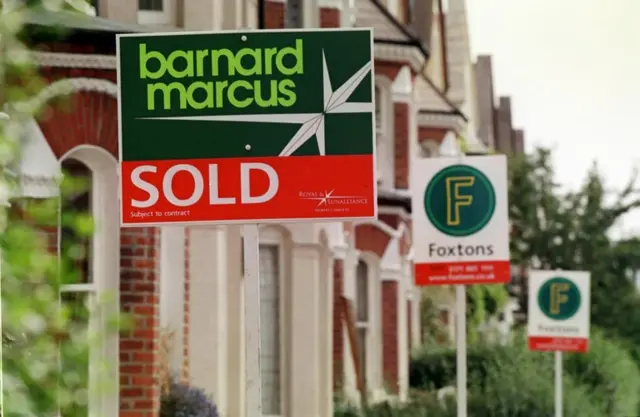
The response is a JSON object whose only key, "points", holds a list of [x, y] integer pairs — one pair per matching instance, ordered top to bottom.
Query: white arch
{"points": [[65, 87], [106, 265]]}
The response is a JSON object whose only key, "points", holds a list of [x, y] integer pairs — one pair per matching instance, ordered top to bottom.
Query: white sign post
{"points": [[461, 233], [559, 317]]}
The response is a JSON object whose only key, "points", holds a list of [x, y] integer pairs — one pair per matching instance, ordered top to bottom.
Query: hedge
{"points": [[511, 381]]}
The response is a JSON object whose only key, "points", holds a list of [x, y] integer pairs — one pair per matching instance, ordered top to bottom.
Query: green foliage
{"points": [[570, 231], [45, 335], [609, 375], [512, 381], [426, 406]]}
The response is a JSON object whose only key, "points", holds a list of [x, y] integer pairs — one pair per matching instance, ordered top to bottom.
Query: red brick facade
{"points": [[401, 144], [390, 335]]}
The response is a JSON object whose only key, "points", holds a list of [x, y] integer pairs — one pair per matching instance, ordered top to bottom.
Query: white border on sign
{"points": [[248, 32], [582, 318]]}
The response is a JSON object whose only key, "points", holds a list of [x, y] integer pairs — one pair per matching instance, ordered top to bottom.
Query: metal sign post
{"points": [[252, 320], [461, 349], [558, 372]]}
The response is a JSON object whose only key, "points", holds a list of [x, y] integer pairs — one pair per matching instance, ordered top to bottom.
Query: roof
{"points": [[372, 13], [78, 21], [431, 100]]}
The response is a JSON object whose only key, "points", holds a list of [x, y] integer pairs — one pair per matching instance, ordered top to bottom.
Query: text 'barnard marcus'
{"points": [[192, 70]]}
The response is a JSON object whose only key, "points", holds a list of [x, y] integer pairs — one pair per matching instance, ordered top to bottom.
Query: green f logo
{"points": [[455, 198], [459, 200], [559, 298]]}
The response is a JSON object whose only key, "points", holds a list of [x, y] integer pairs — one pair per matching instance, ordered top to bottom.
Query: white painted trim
{"points": [[400, 54], [69, 60], [67, 86], [402, 88], [447, 121], [385, 153], [275, 236], [106, 268], [172, 296], [374, 331]]}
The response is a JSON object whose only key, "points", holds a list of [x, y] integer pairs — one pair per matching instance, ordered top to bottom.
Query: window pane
{"points": [[151, 5], [378, 107], [73, 245], [362, 292], [270, 328], [362, 353], [74, 354]]}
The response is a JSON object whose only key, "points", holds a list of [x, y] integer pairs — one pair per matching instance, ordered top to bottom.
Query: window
{"points": [[151, 5], [154, 12], [384, 132], [78, 296], [362, 316], [270, 335]]}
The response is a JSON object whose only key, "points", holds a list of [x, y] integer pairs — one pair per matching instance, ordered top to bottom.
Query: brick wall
{"points": [[275, 16], [483, 70], [504, 128], [431, 133], [517, 141], [401, 144], [371, 239], [139, 291], [390, 335]]}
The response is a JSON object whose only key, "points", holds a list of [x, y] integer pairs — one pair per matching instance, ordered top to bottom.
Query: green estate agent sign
{"points": [[247, 126]]}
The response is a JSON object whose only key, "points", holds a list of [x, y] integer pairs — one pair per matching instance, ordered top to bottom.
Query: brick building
{"points": [[189, 279]]}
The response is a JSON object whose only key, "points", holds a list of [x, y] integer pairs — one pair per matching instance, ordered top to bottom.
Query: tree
{"points": [[571, 231]]}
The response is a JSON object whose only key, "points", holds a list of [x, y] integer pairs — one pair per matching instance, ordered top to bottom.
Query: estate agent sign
{"points": [[246, 127], [460, 220], [559, 310]]}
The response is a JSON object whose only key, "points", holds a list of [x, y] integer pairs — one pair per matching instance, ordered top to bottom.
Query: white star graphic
{"points": [[335, 102]]}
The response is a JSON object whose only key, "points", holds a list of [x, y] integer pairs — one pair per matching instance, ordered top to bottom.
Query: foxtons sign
{"points": [[246, 127], [460, 220], [559, 310]]}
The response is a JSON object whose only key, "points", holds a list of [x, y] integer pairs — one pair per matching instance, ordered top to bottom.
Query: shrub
{"points": [[609, 374], [511, 381], [183, 400], [425, 406]]}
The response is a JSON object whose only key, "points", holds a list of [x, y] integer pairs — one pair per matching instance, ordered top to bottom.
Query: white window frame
{"points": [[156, 17], [385, 149], [273, 237], [105, 267], [172, 291], [359, 325], [373, 348]]}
